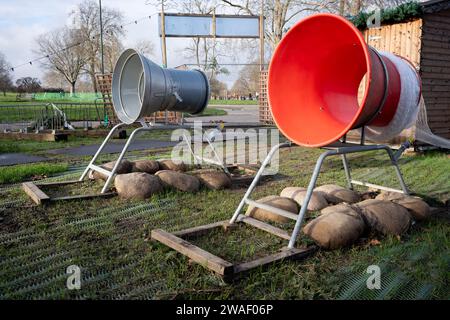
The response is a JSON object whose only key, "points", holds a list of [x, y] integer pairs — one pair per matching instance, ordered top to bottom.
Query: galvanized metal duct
{"points": [[140, 87]]}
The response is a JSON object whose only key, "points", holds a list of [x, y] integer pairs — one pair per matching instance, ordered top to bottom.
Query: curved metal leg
{"points": [[111, 132], [122, 154], [397, 169], [347, 171], [256, 179], [309, 191]]}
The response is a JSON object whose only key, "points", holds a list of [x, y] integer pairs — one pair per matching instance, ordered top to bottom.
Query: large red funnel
{"points": [[314, 77]]}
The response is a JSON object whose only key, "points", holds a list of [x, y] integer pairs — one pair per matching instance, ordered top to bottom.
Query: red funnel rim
{"points": [[366, 51]]}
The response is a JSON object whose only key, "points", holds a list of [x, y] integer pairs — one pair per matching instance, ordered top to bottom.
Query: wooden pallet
{"points": [[104, 83], [265, 116], [160, 117], [35, 192], [178, 241]]}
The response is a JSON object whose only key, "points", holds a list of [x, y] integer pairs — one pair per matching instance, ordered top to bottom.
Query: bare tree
{"points": [[382, 3], [168, 4], [342, 4], [353, 7], [279, 14], [88, 17], [145, 47], [201, 49], [112, 51], [205, 51], [67, 62], [5, 76], [54, 79], [248, 81], [28, 84], [218, 88]]}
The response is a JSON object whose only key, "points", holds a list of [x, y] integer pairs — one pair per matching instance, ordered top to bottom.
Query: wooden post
{"points": [[214, 32], [163, 36], [261, 37], [164, 49]]}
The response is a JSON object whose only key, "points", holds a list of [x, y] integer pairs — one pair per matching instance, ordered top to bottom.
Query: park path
{"points": [[245, 114]]}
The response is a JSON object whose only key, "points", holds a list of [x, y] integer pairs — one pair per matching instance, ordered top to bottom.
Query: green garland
{"points": [[401, 13]]}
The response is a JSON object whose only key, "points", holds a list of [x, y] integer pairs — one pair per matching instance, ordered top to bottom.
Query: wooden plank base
{"points": [[59, 183], [36, 194], [85, 196], [40, 197], [266, 227], [201, 230], [197, 254], [283, 254], [222, 267]]}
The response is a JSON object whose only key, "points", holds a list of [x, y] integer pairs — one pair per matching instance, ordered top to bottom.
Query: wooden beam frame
{"points": [[242, 180], [36, 194], [40, 197], [226, 269]]}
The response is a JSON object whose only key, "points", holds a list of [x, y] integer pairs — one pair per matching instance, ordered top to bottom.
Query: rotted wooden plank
{"points": [[59, 183], [36, 194], [85, 196], [266, 227], [200, 230], [285, 253], [197, 254]]}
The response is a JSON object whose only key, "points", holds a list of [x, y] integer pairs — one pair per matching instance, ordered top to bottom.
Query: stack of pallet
{"points": [[104, 86], [264, 110], [165, 116]]}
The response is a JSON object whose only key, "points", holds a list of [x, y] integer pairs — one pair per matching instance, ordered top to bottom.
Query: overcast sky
{"points": [[22, 21]]}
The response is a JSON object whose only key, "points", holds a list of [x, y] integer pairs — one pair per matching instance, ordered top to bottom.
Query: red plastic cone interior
{"points": [[314, 76]]}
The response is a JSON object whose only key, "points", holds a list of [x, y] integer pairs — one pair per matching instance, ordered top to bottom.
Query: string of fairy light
{"points": [[47, 56]]}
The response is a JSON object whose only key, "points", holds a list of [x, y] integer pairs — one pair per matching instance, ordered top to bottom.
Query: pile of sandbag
{"points": [[142, 178], [292, 198], [344, 218], [341, 225]]}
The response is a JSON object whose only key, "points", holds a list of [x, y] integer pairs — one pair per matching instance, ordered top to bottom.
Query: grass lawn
{"points": [[209, 111], [41, 147], [21, 172], [110, 240]]}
